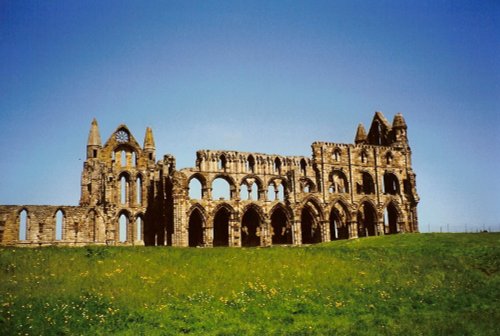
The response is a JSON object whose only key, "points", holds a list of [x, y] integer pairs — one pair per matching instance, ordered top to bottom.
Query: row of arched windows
{"points": [[125, 158], [250, 164], [221, 189], [23, 225], [123, 226], [126, 233]]}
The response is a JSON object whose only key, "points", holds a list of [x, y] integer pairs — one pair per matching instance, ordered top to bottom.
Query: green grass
{"points": [[414, 284]]}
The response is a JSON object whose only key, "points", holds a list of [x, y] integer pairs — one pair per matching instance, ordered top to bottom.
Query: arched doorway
{"points": [[391, 219], [367, 220], [338, 223], [221, 227], [195, 228], [250, 228], [281, 230], [311, 231]]}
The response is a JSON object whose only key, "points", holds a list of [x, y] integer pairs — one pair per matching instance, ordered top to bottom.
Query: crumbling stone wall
{"points": [[342, 191]]}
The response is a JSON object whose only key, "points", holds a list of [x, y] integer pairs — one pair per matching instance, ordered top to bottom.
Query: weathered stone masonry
{"points": [[127, 197]]}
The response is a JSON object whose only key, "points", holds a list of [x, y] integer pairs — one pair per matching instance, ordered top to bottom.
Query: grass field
{"points": [[414, 284]]}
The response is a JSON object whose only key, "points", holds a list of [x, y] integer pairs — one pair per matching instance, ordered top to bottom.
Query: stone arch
{"points": [[337, 154], [125, 155], [364, 156], [389, 157], [222, 162], [250, 164], [277, 165], [303, 167], [231, 182], [339, 182], [391, 184], [307, 185], [367, 185], [124, 187], [254, 187], [278, 187], [139, 189], [199, 192], [23, 216], [392, 217], [311, 218], [340, 218], [367, 219], [59, 220], [252, 223], [221, 224], [196, 225], [123, 226], [139, 227], [281, 228]]}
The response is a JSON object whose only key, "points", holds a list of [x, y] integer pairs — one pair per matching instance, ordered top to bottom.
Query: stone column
{"points": [[353, 229]]}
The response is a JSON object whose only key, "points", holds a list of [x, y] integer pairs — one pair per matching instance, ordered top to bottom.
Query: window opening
{"points": [[251, 164], [195, 189], [123, 190], [139, 190], [221, 190], [59, 224], [23, 225], [123, 226]]}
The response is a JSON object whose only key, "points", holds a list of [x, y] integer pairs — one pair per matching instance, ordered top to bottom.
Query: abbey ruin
{"points": [[129, 198]]}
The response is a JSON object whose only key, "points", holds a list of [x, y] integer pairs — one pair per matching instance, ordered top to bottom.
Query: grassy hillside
{"points": [[415, 284]]}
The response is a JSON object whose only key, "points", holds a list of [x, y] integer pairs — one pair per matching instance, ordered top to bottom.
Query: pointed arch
{"points": [[337, 154], [389, 157], [222, 162], [250, 164], [277, 166], [303, 167], [339, 182], [391, 184], [307, 185], [368, 185], [124, 187], [139, 188], [23, 216], [222, 216], [59, 217], [311, 218], [392, 218], [367, 219], [339, 220], [251, 225], [123, 226], [195, 227], [281, 229]]}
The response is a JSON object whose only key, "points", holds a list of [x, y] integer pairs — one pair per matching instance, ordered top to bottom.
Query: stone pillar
{"points": [[380, 228], [353, 229], [234, 231], [325, 231], [208, 233], [297, 233], [266, 239]]}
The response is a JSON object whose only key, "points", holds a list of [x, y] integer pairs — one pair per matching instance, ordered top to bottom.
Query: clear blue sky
{"points": [[264, 76]]}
